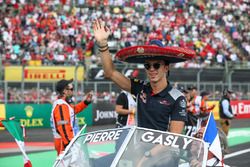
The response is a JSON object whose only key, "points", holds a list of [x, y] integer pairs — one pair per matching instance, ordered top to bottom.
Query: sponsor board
{"points": [[42, 73], [97, 73], [241, 108], [216, 109], [104, 113], [2, 114], [30, 115], [38, 115], [85, 117]]}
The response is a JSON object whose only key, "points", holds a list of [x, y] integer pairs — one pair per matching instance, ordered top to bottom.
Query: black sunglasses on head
{"points": [[156, 66]]}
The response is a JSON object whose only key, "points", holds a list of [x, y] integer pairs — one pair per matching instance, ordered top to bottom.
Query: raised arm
{"points": [[101, 33]]}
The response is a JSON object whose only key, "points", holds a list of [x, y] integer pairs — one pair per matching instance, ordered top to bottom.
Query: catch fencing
{"points": [[44, 92]]}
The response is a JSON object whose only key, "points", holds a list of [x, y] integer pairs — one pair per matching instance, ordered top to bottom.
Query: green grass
{"points": [[238, 136], [42, 159]]}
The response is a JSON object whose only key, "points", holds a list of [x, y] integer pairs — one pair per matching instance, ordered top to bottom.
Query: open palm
{"points": [[101, 32]]}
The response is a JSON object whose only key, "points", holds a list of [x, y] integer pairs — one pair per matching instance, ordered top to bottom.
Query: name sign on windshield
{"points": [[103, 136], [166, 139]]}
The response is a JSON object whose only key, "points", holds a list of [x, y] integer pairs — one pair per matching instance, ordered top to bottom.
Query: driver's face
{"points": [[156, 69]]}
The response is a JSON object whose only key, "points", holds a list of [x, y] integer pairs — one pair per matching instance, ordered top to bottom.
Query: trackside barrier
{"points": [[240, 107], [104, 113], [2, 114], [38, 115]]}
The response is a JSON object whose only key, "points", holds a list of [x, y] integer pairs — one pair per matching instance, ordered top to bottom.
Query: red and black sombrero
{"points": [[138, 54]]}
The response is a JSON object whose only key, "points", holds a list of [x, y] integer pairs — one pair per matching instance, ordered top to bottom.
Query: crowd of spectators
{"points": [[235, 17], [54, 32], [58, 32]]}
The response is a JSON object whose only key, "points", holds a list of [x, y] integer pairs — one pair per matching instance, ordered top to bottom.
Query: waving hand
{"points": [[101, 32]]}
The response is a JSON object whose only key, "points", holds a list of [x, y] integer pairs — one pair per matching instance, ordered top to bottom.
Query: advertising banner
{"points": [[13, 73], [42, 73], [97, 73], [135, 73], [241, 108], [216, 109], [101, 113], [104, 113], [2, 114], [30, 115], [38, 115], [85, 117]]}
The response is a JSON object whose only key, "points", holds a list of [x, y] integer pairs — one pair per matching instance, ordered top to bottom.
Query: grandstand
{"points": [[36, 35]]}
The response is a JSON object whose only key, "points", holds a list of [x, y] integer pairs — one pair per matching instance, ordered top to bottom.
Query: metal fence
{"points": [[44, 92]]}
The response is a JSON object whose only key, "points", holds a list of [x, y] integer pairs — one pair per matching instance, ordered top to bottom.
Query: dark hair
{"points": [[166, 62], [62, 84], [192, 87], [226, 90], [204, 93]]}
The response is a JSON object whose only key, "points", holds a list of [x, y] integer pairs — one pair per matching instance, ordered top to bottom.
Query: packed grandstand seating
{"points": [[58, 32], [50, 33]]}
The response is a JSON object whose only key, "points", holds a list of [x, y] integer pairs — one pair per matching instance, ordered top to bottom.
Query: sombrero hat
{"points": [[138, 54]]}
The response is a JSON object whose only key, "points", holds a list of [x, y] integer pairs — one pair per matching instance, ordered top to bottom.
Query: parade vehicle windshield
{"points": [[133, 147]]}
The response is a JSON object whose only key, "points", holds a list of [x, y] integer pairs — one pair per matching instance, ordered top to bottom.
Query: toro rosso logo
{"points": [[164, 102]]}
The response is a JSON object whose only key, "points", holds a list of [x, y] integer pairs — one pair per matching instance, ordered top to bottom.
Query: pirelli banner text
{"points": [[42, 73], [38, 115]]}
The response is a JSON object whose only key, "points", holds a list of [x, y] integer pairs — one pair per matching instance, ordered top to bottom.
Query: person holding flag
{"points": [[15, 129]]}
